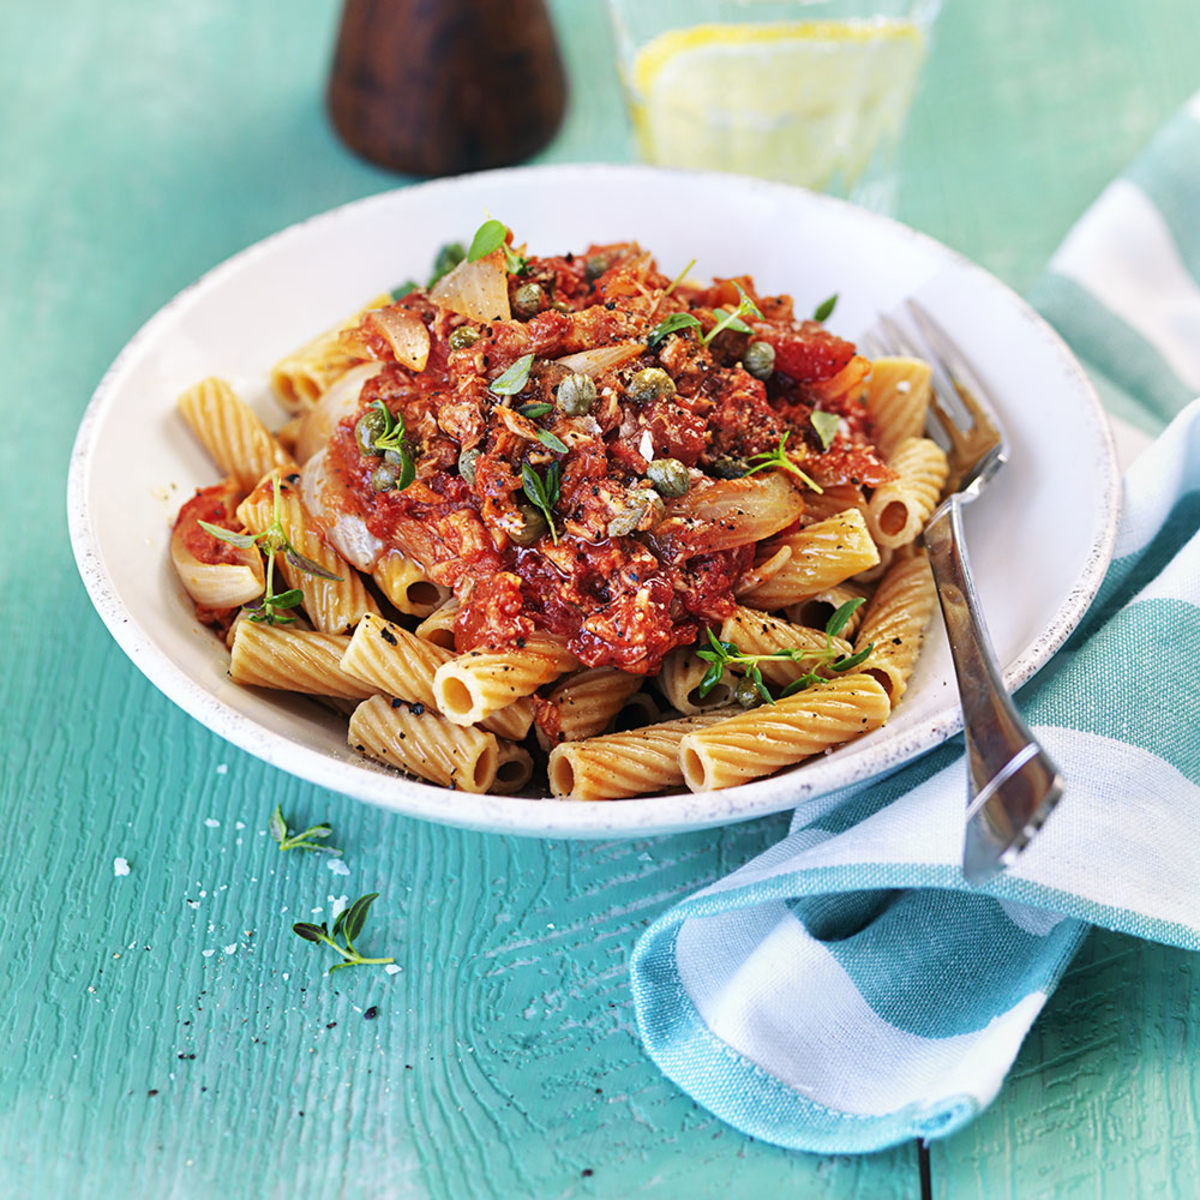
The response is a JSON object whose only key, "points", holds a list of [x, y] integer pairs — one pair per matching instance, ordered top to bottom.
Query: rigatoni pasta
{"points": [[665, 504]]}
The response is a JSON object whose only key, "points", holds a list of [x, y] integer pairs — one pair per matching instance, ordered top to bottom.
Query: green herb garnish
{"points": [[490, 237], [448, 257], [677, 280], [402, 290], [824, 310], [733, 320], [672, 324], [512, 381], [533, 411], [826, 424], [392, 438], [551, 442], [779, 458], [543, 492], [271, 609], [722, 655], [287, 840], [347, 926]]}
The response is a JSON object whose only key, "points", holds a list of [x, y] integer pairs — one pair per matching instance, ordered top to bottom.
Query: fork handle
{"points": [[1012, 784]]}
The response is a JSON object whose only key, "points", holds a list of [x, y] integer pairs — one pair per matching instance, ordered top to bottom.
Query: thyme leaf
{"points": [[824, 310], [733, 320], [668, 325], [512, 381], [826, 424], [779, 458], [543, 492], [278, 827], [347, 927]]}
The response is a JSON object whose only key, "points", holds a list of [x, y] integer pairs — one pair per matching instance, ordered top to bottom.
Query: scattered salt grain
{"points": [[222, 768], [212, 822], [239, 824], [120, 867], [338, 867], [231, 948], [208, 953], [392, 969]]}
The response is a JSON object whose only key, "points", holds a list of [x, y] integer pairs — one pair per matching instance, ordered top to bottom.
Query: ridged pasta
{"points": [[299, 378], [898, 395], [236, 440], [831, 500], [898, 510], [822, 555], [406, 585], [333, 607], [816, 610], [895, 622], [438, 627], [756, 632], [291, 660], [400, 664], [679, 681], [481, 682], [585, 703], [760, 741], [425, 745], [624, 764], [514, 769]]}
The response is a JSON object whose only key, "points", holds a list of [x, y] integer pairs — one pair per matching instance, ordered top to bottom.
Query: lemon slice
{"points": [[808, 102]]}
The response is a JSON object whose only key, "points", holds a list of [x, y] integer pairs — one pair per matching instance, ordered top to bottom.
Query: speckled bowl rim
{"points": [[552, 818]]}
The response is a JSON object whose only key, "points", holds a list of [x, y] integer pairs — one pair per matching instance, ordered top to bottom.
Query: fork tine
{"points": [[951, 357]]}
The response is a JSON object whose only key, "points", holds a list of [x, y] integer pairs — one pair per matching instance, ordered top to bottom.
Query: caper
{"points": [[595, 265], [528, 300], [462, 337], [759, 360], [651, 384], [576, 395], [371, 425], [394, 457], [466, 465], [729, 468], [669, 476], [383, 478], [637, 502], [624, 523], [533, 526], [747, 694]]}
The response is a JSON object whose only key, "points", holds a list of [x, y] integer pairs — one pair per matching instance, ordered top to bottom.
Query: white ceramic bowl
{"points": [[1040, 539]]}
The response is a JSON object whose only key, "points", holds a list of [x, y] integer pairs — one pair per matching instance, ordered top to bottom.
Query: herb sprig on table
{"points": [[271, 609], [720, 656], [278, 827], [348, 925]]}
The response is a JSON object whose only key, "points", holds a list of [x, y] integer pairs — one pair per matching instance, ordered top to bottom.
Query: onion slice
{"points": [[477, 290], [404, 331], [602, 358], [337, 402], [327, 498], [221, 584]]}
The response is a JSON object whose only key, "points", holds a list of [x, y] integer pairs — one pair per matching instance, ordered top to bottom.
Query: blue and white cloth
{"points": [[848, 989]]}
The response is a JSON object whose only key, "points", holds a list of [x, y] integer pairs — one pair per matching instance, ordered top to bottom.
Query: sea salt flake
{"points": [[222, 768], [212, 822], [120, 867], [338, 867], [231, 948], [208, 953], [392, 969]]}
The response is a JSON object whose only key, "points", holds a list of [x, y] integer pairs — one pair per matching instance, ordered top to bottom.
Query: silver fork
{"points": [[1012, 785]]}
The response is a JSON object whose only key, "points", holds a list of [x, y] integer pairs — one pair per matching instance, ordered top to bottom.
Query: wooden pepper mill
{"points": [[438, 87]]}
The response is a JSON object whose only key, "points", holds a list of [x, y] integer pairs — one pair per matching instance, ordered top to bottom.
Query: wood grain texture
{"points": [[140, 144]]}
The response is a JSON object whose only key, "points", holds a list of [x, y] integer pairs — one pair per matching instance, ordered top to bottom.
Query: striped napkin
{"points": [[848, 990]]}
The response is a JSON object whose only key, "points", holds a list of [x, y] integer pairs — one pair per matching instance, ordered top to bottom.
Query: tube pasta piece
{"points": [[299, 378], [898, 393], [236, 440], [831, 500], [898, 510], [823, 554], [236, 577], [406, 585], [333, 607], [816, 610], [895, 621], [438, 627], [759, 633], [293, 661], [401, 664], [679, 681], [479, 683], [586, 702], [760, 741], [425, 745], [619, 765], [514, 769]]}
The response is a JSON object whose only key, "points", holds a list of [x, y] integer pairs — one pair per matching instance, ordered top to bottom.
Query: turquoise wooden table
{"points": [[164, 1033]]}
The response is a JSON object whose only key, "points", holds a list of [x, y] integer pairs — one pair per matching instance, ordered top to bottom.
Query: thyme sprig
{"points": [[733, 320], [393, 438], [779, 458], [543, 492], [271, 609], [720, 656], [278, 827], [348, 925]]}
